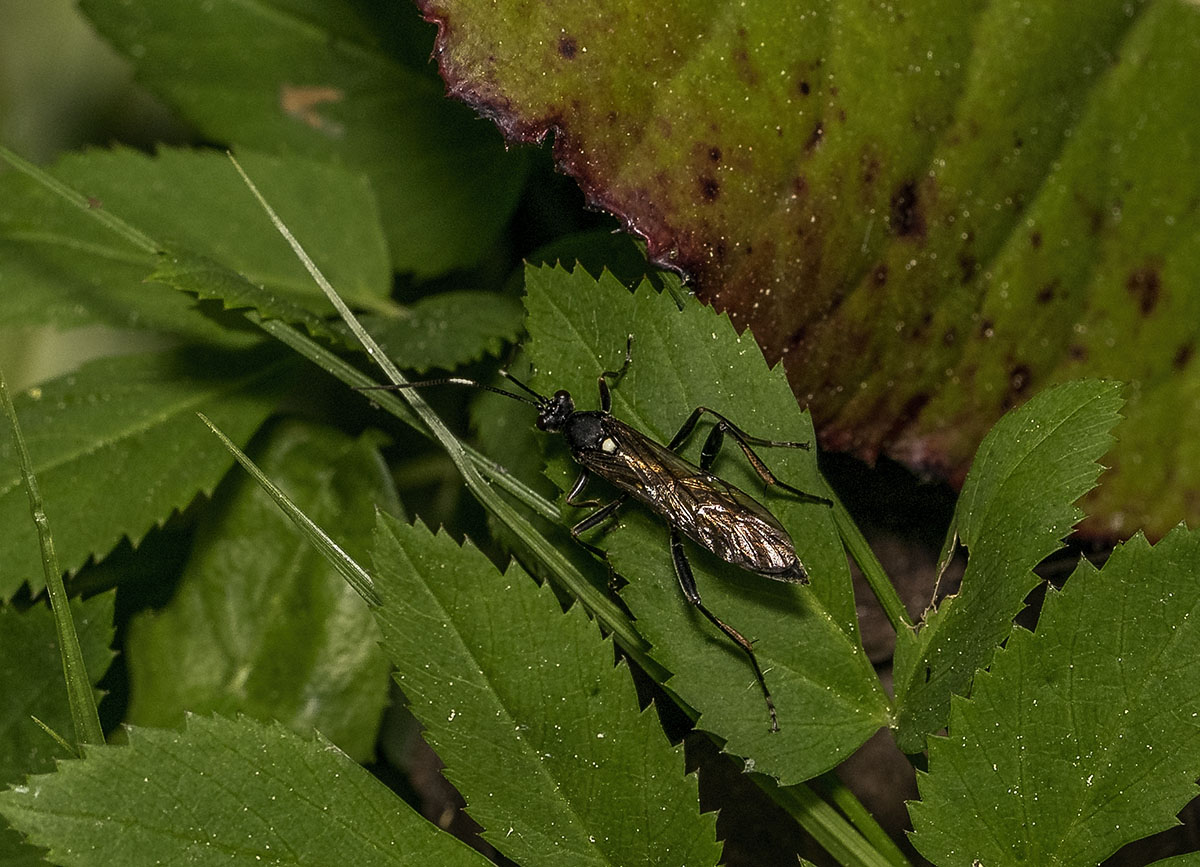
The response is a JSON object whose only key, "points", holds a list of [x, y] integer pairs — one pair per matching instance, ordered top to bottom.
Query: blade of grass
{"points": [[116, 224], [353, 377], [872, 569], [354, 574], [603, 608], [79, 686]]}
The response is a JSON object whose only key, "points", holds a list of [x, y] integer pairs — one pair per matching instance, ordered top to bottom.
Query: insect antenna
{"points": [[455, 380], [540, 400]]}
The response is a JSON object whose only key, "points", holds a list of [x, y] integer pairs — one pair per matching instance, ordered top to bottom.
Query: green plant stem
{"points": [[877, 579], [79, 686], [831, 787], [827, 826]]}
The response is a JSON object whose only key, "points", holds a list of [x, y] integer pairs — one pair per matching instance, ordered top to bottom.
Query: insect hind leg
{"points": [[716, 438], [687, 583]]}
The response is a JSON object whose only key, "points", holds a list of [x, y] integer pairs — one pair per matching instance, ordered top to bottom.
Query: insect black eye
{"points": [[556, 411]]}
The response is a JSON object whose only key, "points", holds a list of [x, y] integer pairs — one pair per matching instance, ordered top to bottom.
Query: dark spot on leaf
{"points": [[567, 47], [805, 90], [814, 138], [1018, 143], [714, 154], [870, 169], [800, 186], [710, 188], [94, 203], [907, 219], [1035, 240], [749, 248], [967, 266], [879, 275], [1145, 285], [1046, 293], [922, 327], [987, 329], [1077, 352], [1182, 356], [1018, 378], [908, 414], [928, 673]]}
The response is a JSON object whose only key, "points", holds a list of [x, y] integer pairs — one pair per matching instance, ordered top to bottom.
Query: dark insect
{"points": [[695, 503]]}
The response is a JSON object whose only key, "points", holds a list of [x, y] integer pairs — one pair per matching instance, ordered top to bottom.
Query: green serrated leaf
{"points": [[279, 76], [64, 268], [210, 280], [447, 330], [124, 430], [1016, 507], [261, 623], [31, 681], [825, 689], [524, 705], [1083, 734], [223, 792]]}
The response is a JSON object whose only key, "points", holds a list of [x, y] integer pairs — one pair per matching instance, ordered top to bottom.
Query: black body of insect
{"points": [[695, 503]]}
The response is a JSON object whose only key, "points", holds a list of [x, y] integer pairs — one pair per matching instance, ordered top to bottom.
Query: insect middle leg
{"points": [[712, 446], [595, 519], [687, 583]]}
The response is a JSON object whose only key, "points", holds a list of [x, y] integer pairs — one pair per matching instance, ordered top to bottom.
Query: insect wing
{"points": [[713, 513]]}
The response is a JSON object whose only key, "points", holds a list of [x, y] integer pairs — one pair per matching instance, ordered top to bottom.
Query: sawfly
{"points": [[691, 500]]}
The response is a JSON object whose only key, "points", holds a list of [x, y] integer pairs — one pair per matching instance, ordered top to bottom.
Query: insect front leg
{"points": [[605, 394], [712, 446], [687, 583]]}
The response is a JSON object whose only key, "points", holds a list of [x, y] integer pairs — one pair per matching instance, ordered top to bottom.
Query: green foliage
{"points": [[312, 78], [64, 268], [448, 329], [124, 430], [1015, 509], [261, 623], [31, 681], [827, 694], [538, 729], [1082, 736], [1066, 743], [223, 792]]}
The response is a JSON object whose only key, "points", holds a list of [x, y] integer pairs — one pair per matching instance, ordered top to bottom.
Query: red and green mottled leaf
{"points": [[929, 212]]}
